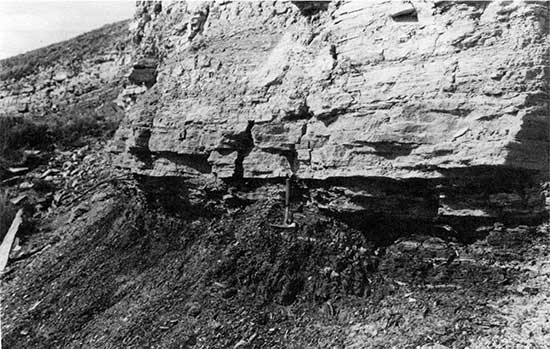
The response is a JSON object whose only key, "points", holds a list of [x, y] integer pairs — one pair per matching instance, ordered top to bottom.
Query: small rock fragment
{"points": [[26, 185], [18, 199], [194, 310]]}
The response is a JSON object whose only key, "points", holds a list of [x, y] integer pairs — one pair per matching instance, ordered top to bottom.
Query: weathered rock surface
{"points": [[81, 76], [452, 93]]}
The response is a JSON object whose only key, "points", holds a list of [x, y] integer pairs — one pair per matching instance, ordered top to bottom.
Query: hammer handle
{"points": [[287, 192], [287, 201]]}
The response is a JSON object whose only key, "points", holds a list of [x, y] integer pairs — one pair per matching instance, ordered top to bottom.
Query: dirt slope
{"points": [[124, 271]]}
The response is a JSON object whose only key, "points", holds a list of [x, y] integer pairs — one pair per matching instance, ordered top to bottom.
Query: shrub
{"points": [[66, 131], [19, 132]]}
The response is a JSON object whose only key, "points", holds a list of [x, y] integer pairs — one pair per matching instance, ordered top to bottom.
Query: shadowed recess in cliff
{"points": [[309, 8], [144, 72], [246, 145], [388, 150], [185, 164], [485, 194]]}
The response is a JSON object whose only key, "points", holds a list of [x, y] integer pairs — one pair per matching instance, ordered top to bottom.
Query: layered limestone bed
{"points": [[82, 76], [401, 108]]}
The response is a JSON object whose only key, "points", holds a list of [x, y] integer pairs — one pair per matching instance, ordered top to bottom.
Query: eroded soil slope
{"points": [[123, 270]]}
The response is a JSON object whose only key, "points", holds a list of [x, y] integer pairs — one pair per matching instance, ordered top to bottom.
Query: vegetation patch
{"points": [[73, 129]]}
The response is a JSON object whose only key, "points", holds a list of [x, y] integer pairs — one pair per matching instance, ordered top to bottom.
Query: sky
{"points": [[29, 24]]}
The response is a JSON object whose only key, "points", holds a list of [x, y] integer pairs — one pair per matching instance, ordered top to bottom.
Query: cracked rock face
{"points": [[395, 90]]}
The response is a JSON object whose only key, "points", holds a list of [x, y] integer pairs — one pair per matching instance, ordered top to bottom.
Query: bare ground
{"points": [[115, 270]]}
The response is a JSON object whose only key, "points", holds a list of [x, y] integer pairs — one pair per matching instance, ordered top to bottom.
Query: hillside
{"points": [[96, 44], [64, 92], [55, 99]]}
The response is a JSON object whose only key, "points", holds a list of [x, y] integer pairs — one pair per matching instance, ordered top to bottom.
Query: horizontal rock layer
{"points": [[81, 76], [448, 92]]}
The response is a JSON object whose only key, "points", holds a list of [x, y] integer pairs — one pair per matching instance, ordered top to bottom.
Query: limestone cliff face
{"points": [[80, 76], [369, 97]]}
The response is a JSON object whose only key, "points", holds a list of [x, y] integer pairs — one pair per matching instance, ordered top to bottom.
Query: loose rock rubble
{"points": [[58, 186], [125, 271]]}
